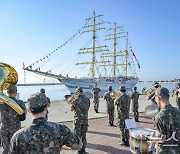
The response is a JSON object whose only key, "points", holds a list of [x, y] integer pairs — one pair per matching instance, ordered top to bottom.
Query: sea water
{"points": [[57, 92]]}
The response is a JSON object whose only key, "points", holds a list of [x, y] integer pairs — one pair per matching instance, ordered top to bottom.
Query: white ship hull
{"points": [[87, 84]]}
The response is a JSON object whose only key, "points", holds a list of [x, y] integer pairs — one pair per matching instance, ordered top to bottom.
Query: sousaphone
{"points": [[8, 77]]}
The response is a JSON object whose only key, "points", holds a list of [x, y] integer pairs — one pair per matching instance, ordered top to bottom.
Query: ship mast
{"points": [[94, 48], [116, 54], [127, 54]]}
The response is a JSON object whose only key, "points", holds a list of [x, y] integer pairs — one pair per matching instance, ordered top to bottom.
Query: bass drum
{"points": [[137, 144]]}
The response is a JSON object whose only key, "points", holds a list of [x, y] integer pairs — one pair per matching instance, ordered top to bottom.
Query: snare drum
{"points": [[138, 145]]}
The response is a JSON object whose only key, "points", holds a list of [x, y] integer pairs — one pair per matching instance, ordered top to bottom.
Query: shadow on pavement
{"points": [[141, 116], [145, 122], [103, 133], [108, 149]]}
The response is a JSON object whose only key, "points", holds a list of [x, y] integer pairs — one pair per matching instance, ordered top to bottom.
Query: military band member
{"points": [[42, 90], [95, 92], [151, 96], [178, 96], [135, 103], [110, 105], [80, 106], [123, 106], [10, 120], [167, 124], [42, 136]]}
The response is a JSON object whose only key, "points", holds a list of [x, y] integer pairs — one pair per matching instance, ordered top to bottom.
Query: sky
{"points": [[30, 30]]}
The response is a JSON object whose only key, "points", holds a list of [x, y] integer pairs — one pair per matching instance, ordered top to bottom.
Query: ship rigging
{"points": [[99, 56]]}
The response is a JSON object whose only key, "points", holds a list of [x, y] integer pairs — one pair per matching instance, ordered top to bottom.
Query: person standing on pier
{"points": [[42, 90], [95, 92], [178, 96], [135, 103], [110, 105], [80, 106], [123, 106], [10, 120], [167, 125], [43, 136]]}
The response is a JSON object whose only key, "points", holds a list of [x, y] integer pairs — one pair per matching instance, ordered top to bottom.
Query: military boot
{"points": [[96, 110], [136, 119], [111, 124], [122, 143], [127, 143], [82, 152]]}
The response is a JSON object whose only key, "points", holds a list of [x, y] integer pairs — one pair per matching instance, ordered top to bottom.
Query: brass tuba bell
{"points": [[8, 77]]}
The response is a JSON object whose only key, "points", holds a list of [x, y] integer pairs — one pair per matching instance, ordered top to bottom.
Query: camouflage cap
{"points": [[109, 87], [122, 88], [12, 89], [79, 89], [42, 90], [162, 91], [37, 100]]}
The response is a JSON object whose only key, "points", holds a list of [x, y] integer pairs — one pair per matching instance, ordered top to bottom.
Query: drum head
{"points": [[135, 132]]}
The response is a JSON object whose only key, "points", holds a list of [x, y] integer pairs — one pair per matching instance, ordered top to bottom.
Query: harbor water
{"points": [[57, 92]]}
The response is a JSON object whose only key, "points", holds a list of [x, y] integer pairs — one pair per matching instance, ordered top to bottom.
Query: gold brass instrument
{"points": [[8, 77], [114, 95], [73, 97]]}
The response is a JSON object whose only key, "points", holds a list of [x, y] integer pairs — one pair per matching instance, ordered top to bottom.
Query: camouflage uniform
{"points": [[42, 90], [95, 92], [178, 97], [135, 104], [80, 106], [123, 106], [110, 107], [167, 121], [10, 122], [42, 136]]}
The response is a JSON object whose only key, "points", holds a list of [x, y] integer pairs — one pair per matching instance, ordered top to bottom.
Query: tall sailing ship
{"points": [[115, 64]]}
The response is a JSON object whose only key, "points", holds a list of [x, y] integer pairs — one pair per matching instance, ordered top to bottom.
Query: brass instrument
{"points": [[8, 77], [114, 95], [73, 97]]}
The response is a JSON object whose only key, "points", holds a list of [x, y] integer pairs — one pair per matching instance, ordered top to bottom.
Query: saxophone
{"points": [[8, 77]]}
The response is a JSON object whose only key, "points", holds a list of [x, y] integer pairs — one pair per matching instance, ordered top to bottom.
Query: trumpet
{"points": [[114, 95]]}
